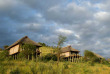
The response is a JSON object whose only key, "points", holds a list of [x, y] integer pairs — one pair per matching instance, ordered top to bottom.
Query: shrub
{"points": [[3, 55], [21, 56], [89, 56], [49, 57], [105, 62], [91, 63], [66, 65]]}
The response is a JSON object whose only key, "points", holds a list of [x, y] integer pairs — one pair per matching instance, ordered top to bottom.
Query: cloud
{"points": [[69, 14], [85, 23], [64, 31]]}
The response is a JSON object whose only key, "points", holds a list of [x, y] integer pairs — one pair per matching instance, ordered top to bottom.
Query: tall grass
{"points": [[31, 67]]}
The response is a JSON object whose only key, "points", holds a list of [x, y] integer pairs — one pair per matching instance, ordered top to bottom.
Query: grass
{"points": [[46, 50], [30, 67]]}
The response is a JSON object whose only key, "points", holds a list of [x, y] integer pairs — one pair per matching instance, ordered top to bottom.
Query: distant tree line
{"points": [[43, 44], [4, 47]]}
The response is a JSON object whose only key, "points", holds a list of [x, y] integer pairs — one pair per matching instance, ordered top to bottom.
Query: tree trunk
{"points": [[58, 56], [58, 59]]}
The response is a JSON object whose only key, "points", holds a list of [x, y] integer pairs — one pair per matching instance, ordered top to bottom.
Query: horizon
{"points": [[85, 23]]}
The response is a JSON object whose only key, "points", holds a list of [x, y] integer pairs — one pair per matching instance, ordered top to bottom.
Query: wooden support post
{"points": [[18, 55], [15, 56], [36, 56], [28, 57], [32, 57], [78, 57], [68, 58], [75, 58], [72, 59]]}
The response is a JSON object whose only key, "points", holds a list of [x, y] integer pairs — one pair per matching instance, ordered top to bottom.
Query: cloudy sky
{"points": [[85, 23]]}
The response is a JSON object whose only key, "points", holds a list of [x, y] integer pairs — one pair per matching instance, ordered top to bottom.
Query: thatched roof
{"points": [[24, 40], [68, 49], [99, 56]]}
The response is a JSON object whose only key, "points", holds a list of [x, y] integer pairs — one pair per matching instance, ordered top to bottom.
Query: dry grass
{"points": [[30, 67]]}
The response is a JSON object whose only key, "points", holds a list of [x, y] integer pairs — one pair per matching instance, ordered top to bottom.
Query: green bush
{"points": [[4, 55], [22, 56], [89, 56], [49, 57], [105, 62], [91, 63], [66, 65]]}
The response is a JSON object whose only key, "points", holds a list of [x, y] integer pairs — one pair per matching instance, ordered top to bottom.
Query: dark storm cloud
{"points": [[85, 23]]}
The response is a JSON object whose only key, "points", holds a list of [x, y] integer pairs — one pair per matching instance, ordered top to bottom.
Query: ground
{"points": [[31, 67]]}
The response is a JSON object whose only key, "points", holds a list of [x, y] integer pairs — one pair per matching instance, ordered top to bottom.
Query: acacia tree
{"points": [[61, 40]]}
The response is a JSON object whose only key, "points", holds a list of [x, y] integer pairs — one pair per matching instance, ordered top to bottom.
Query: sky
{"points": [[85, 23]]}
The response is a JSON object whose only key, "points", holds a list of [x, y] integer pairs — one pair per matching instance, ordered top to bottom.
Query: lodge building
{"points": [[16, 47]]}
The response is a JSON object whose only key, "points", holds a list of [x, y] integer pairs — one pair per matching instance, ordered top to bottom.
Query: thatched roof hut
{"points": [[23, 41], [16, 46], [68, 49], [68, 52]]}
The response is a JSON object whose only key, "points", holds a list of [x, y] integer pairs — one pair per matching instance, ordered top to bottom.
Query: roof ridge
{"points": [[21, 40], [69, 48]]}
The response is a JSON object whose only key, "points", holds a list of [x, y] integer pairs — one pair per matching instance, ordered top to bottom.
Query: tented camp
{"points": [[15, 48], [68, 53]]}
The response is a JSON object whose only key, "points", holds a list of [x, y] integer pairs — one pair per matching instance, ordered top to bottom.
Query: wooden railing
{"points": [[74, 58]]}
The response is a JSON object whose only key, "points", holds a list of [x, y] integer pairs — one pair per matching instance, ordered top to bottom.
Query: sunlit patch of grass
{"points": [[46, 50]]}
